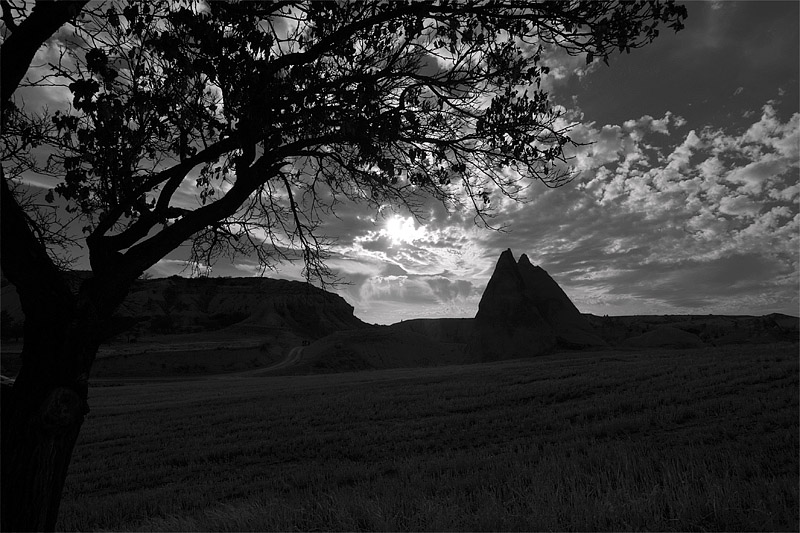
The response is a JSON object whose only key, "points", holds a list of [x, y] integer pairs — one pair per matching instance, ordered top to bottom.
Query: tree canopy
{"points": [[273, 113]]}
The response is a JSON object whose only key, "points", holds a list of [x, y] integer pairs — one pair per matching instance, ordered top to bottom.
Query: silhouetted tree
{"points": [[273, 113]]}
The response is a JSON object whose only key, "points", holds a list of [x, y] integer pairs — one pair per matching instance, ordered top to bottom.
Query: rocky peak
{"points": [[524, 265], [505, 291], [524, 312], [508, 325]]}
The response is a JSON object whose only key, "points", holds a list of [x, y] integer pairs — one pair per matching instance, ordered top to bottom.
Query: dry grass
{"points": [[182, 363], [703, 439]]}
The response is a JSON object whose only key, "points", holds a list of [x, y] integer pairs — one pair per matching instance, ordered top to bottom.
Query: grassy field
{"points": [[181, 362], [703, 439]]}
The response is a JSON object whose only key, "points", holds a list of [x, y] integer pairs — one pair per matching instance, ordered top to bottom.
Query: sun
{"points": [[402, 230]]}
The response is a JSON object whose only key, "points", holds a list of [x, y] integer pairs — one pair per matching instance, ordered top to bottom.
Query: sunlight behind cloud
{"points": [[402, 230]]}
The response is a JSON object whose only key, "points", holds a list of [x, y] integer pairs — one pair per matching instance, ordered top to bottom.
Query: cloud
{"points": [[565, 67], [650, 124], [770, 133], [679, 158], [754, 177], [739, 205], [650, 213], [172, 267], [665, 285], [447, 290], [390, 298]]}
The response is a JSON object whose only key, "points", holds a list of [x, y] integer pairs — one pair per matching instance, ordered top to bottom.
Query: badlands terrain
{"points": [[177, 326], [264, 405]]}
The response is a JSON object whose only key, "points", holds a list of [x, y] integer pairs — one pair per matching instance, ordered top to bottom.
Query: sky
{"points": [[685, 200]]}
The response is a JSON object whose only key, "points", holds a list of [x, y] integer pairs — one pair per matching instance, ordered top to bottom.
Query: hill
{"points": [[177, 305], [180, 325], [176, 326], [712, 330], [376, 348]]}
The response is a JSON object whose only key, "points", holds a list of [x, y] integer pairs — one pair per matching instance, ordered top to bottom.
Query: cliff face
{"points": [[181, 305], [572, 330]]}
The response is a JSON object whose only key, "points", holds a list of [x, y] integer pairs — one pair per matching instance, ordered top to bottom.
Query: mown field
{"points": [[703, 439]]}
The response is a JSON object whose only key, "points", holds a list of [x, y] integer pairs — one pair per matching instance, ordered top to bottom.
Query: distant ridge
{"points": [[187, 304]]}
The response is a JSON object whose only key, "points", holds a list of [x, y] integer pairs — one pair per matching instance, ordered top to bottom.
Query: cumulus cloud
{"points": [[740, 205], [661, 208]]}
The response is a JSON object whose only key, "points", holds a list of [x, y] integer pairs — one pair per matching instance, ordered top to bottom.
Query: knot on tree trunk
{"points": [[62, 408]]}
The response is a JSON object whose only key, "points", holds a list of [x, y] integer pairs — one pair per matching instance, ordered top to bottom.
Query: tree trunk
{"points": [[43, 412], [42, 415], [41, 418], [37, 446]]}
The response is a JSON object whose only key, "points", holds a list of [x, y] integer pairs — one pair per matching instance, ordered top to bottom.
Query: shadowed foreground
{"points": [[703, 439]]}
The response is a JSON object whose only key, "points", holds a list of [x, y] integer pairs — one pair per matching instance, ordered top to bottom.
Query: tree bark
{"points": [[37, 447]]}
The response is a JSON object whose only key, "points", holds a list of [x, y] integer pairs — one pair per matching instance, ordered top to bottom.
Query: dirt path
{"points": [[292, 358]]}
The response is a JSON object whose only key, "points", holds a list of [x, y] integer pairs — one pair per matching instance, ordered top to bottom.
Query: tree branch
{"points": [[7, 17], [20, 48], [173, 177], [143, 255], [25, 262]]}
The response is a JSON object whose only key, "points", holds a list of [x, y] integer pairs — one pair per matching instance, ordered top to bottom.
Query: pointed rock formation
{"points": [[523, 312], [508, 324], [572, 330]]}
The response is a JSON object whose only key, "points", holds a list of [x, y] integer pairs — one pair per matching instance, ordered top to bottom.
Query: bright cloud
{"points": [[399, 229]]}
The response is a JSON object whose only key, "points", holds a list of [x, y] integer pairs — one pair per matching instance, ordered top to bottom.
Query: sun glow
{"points": [[402, 230]]}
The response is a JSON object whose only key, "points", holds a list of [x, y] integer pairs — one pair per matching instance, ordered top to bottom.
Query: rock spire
{"points": [[523, 312], [508, 324]]}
